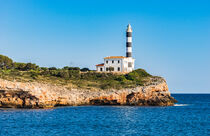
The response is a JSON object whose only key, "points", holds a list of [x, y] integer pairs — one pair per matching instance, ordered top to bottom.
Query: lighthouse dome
{"points": [[129, 28]]}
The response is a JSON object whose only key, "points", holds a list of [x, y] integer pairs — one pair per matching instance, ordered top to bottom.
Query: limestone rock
{"points": [[36, 95]]}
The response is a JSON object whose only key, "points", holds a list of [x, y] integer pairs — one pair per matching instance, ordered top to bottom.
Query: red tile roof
{"points": [[114, 57], [100, 64]]}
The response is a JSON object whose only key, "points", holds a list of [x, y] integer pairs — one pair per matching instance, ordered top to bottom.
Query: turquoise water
{"points": [[190, 117]]}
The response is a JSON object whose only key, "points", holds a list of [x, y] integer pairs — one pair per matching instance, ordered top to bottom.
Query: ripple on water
{"points": [[188, 118]]}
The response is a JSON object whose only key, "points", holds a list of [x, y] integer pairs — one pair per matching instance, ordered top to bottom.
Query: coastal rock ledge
{"points": [[38, 95]]}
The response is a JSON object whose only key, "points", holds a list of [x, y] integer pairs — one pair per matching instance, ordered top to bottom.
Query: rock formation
{"points": [[37, 95]]}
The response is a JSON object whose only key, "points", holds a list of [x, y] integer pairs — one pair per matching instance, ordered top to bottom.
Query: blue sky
{"points": [[170, 38]]}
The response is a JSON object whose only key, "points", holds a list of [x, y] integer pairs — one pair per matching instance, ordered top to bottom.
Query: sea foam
{"points": [[181, 104]]}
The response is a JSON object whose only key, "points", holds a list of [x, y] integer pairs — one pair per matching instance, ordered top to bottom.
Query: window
{"points": [[112, 61], [118, 61], [107, 62], [129, 64], [111, 68], [118, 68], [101, 69], [107, 69]]}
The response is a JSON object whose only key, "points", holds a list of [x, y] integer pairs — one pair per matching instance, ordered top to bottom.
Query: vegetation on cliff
{"points": [[72, 77], [31, 86]]}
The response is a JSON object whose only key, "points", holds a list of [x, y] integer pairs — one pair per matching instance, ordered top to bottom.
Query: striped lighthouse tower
{"points": [[129, 41]]}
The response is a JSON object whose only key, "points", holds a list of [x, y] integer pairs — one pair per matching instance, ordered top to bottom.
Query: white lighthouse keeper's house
{"points": [[119, 63]]}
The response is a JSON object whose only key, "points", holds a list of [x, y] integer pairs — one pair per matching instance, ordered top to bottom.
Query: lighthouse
{"points": [[129, 41], [123, 64]]}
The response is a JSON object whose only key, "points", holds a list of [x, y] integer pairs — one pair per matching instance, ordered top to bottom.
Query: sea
{"points": [[189, 117]]}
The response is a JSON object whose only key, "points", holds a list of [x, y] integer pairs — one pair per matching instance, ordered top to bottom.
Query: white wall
{"points": [[115, 64], [123, 64], [98, 68]]}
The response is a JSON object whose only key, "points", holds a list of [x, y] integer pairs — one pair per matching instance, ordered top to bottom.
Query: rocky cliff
{"points": [[37, 95]]}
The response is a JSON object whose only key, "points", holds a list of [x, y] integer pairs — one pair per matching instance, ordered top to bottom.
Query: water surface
{"points": [[189, 117]]}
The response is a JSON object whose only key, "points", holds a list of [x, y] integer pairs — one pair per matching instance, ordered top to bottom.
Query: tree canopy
{"points": [[5, 62]]}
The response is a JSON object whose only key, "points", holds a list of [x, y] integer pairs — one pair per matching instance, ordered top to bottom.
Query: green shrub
{"points": [[5, 62], [19, 66], [25, 66], [30, 66], [44, 68], [52, 68], [71, 68], [85, 69], [142, 73], [34, 74], [64, 74], [137, 75], [121, 78]]}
